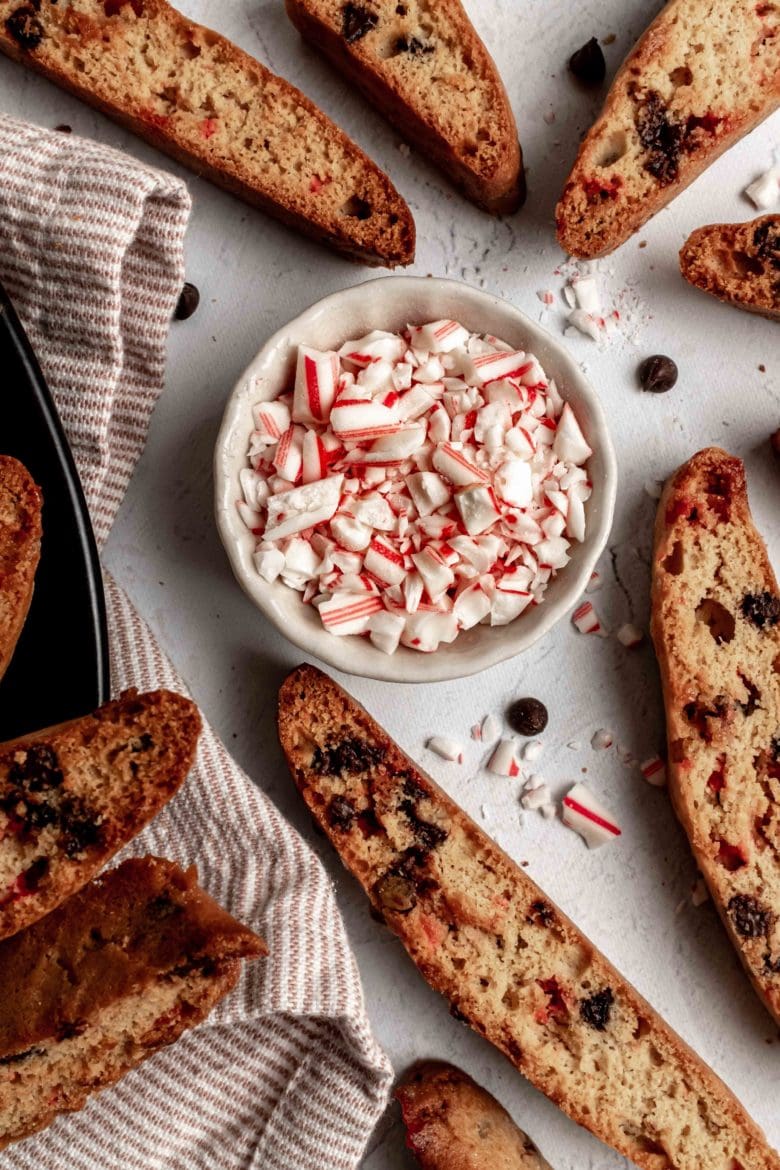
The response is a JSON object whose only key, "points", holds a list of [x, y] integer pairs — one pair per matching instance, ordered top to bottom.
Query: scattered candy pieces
{"points": [[764, 192], [654, 488], [595, 582], [587, 620], [629, 636], [491, 728], [601, 740], [448, 749], [533, 750], [503, 761], [654, 771], [536, 799], [588, 817]]}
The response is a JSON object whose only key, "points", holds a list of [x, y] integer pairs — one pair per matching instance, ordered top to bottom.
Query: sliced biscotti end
{"points": [[425, 68], [700, 78], [203, 100], [737, 262], [20, 550], [716, 630], [72, 795], [133, 960], [510, 963], [452, 1123]]}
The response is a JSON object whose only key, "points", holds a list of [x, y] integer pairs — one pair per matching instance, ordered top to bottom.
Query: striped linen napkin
{"points": [[285, 1074]]}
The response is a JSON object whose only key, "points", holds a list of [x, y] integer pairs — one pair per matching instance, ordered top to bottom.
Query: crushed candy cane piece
{"points": [[764, 192], [595, 583], [586, 619], [629, 636], [490, 728], [601, 740], [448, 749], [533, 750], [625, 755], [503, 761], [654, 771], [535, 799], [548, 811], [588, 817]]}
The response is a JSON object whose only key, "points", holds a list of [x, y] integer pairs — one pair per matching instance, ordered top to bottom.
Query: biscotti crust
{"points": [[698, 80], [192, 119], [497, 183], [738, 263], [20, 550], [716, 630], [74, 794], [512, 965]]}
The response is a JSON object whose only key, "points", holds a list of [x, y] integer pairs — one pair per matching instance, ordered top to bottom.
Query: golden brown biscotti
{"points": [[424, 67], [701, 76], [201, 99], [737, 262], [20, 550], [716, 629], [72, 795], [128, 964], [511, 964], [452, 1123]]}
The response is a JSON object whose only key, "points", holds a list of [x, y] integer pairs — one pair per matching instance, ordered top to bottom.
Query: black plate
{"points": [[61, 666]]}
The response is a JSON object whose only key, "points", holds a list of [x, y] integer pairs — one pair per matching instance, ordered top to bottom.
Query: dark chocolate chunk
{"points": [[357, 20], [25, 27], [414, 46], [588, 64], [661, 136], [766, 241], [189, 299], [657, 374], [762, 609], [527, 716], [350, 755], [38, 771], [341, 813], [78, 828], [36, 872], [395, 893], [541, 914], [749, 918], [595, 1010], [18, 1057]]}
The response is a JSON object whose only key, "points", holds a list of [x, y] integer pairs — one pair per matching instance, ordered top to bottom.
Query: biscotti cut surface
{"points": [[424, 67], [704, 74], [200, 98], [737, 262], [20, 549], [716, 629], [72, 795], [511, 964], [127, 965], [452, 1123]]}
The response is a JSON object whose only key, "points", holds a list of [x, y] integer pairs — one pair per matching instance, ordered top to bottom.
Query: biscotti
{"points": [[425, 68], [700, 78], [200, 98], [737, 262], [20, 550], [716, 629], [72, 795], [511, 964], [127, 965], [452, 1123]]}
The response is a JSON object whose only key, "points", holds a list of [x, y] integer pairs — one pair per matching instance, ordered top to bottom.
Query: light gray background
{"points": [[255, 275]]}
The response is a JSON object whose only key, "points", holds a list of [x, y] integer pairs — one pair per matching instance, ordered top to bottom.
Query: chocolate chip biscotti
{"points": [[425, 68], [701, 77], [203, 100], [738, 263], [20, 550], [716, 629], [72, 795], [129, 963], [511, 964]]}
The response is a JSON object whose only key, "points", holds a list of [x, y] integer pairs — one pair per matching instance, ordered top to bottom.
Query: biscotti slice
{"points": [[425, 69], [702, 76], [200, 98], [738, 263], [20, 550], [716, 629], [72, 795], [129, 963], [511, 964], [452, 1123]]}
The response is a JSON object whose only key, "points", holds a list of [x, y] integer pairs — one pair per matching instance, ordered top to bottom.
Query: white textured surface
{"points": [[255, 275]]}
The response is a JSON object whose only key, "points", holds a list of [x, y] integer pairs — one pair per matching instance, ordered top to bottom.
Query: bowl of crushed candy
{"points": [[457, 634]]}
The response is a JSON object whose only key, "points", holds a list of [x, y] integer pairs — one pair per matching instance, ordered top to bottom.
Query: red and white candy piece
{"points": [[439, 336], [374, 346], [488, 367], [316, 382], [361, 418], [271, 420], [570, 445], [288, 459], [454, 466], [428, 491], [303, 507], [477, 507], [384, 562], [269, 563], [471, 606], [349, 613], [586, 619], [384, 630], [425, 631], [629, 636], [601, 740], [448, 749], [533, 750], [503, 761], [654, 771], [588, 817]]}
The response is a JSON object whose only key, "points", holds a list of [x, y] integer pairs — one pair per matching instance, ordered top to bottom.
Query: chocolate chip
{"points": [[357, 20], [25, 27], [413, 45], [588, 64], [64, 128], [766, 241], [189, 299], [657, 374], [774, 443], [762, 609], [527, 716], [775, 748], [350, 755], [38, 771], [341, 813], [79, 830], [35, 873], [395, 893], [541, 914], [750, 920], [595, 1010], [18, 1057]]}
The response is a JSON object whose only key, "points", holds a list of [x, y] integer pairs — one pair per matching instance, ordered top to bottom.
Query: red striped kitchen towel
{"points": [[285, 1074]]}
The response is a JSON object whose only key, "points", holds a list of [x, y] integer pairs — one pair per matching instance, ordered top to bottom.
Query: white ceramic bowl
{"points": [[392, 302]]}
